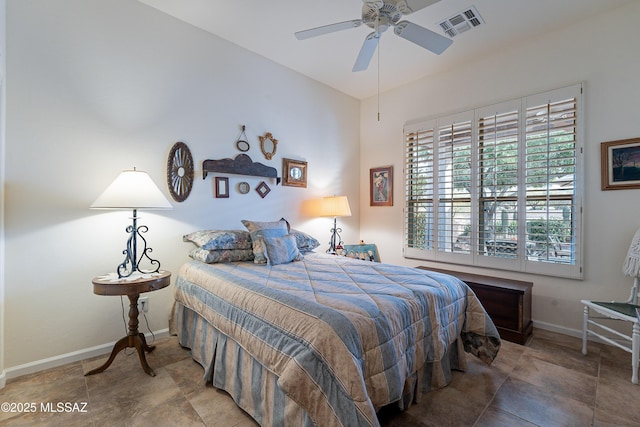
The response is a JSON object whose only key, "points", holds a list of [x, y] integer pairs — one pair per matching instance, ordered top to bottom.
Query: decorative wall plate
{"points": [[180, 171], [243, 187]]}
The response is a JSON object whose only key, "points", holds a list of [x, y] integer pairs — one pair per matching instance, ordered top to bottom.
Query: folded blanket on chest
{"points": [[345, 337]]}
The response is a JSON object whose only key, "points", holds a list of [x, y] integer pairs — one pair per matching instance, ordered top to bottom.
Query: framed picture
{"points": [[620, 164], [294, 172], [381, 186], [222, 187], [263, 189], [367, 252]]}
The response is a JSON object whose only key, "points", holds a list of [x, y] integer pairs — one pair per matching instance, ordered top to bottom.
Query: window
{"points": [[498, 186]]}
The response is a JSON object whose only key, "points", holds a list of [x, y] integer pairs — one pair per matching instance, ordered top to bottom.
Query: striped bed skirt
{"points": [[229, 367], [255, 389]]}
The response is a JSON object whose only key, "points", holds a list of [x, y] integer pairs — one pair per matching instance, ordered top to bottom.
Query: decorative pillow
{"points": [[259, 230], [220, 239], [305, 242], [281, 250], [224, 255]]}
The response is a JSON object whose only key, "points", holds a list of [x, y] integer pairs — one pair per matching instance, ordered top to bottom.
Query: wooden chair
{"points": [[617, 311], [627, 311]]}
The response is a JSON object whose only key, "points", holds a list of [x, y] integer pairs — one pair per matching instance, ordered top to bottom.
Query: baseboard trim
{"points": [[558, 329], [75, 356], [63, 359]]}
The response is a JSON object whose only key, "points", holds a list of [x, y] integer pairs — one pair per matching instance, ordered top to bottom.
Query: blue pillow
{"points": [[259, 230], [281, 250]]}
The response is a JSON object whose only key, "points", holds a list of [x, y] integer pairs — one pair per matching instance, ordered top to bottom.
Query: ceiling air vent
{"points": [[461, 22]]}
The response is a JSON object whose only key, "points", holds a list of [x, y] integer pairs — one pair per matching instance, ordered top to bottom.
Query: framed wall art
{"points": [[620, 164], [295, 173], [381, 186], [222, 187], [263, 189], [367, 252]]}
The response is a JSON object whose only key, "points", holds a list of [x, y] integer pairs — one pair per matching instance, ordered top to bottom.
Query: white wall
{"points": [[600, 51], [95, 87]]}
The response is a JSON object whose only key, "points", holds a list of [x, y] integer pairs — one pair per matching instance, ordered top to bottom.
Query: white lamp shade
{"points": [[132, 189], [335, 206]]}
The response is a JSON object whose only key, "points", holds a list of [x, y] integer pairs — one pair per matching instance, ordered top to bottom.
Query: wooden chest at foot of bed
{"points": [[508, 302]]}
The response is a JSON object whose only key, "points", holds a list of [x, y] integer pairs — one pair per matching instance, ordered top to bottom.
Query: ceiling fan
{"points": [[380, 15]]}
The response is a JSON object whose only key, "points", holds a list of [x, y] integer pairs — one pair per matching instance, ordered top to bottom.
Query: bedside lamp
{"points": [[133, 189], [335, 206]]}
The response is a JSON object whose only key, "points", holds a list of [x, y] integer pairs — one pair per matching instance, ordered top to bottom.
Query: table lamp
{"points": [[133, 189], [335, 206]]}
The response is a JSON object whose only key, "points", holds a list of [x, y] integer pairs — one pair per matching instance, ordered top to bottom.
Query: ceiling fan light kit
{"points": [[380, 15]]}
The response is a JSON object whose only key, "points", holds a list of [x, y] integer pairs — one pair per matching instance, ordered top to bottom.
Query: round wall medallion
{"points": [[180, 171], [243, 187]]}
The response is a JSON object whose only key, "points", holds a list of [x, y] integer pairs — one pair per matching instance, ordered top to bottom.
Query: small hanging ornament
{"points": [[241, 143]]}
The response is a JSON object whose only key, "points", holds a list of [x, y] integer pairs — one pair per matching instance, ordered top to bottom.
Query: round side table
{"points": [[105, 285]]}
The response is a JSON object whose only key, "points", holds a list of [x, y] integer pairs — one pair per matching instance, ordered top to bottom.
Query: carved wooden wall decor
{"points": [[240, 165], [180, 171]]}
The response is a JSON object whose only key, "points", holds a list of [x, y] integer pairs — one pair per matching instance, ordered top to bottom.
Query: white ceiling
{"points": [[267, 28]]}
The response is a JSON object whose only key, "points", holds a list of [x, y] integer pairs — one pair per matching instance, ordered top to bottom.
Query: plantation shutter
{"points": [[498, 132], [551, 177], [419, 178], [454, 186], [499, 186]]}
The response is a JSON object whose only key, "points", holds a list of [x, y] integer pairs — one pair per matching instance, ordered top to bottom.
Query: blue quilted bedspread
{"points": [[344, 336]]}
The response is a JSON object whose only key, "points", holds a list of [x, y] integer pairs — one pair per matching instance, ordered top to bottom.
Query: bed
{"points": [[300, 338], [327, 340]]}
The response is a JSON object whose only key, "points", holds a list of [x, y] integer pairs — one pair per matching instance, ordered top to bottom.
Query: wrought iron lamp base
{"points": [[336, 239], [132, 261]]}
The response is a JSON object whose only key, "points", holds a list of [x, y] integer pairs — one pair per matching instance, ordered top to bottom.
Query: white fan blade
{"points": [[410, 6], [326, 29], [422, 37], [366, 52]]}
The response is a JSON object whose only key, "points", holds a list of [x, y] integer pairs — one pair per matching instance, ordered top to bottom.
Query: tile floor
{"points": [[548, 382]]}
